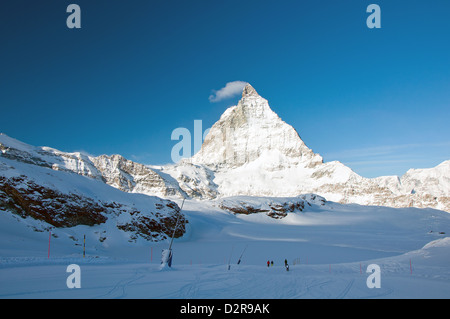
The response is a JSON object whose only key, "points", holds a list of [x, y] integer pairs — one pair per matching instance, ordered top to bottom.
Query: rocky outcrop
{"points": [[132, 177], [196, 181], [28, 199], [276, 207], [158, 227]]}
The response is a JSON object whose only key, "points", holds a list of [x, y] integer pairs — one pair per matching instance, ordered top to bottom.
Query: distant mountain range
{"points": [[251, 151], [248, 152]]}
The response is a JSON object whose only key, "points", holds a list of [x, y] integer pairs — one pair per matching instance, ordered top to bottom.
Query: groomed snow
{"points": [[328, 248]]}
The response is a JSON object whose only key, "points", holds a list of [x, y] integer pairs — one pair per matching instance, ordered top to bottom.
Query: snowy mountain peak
{"points": [[249, 91], [249, 132]]}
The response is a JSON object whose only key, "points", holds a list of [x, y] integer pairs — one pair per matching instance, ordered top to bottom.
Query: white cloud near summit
{"points": [[230, 90]]}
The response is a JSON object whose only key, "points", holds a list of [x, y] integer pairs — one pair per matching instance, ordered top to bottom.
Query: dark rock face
{"points": [[26, 198], [273, 207], [149, 228]]}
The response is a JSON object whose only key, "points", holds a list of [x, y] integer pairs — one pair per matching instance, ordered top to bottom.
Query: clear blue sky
{"points": [[375, 99]]}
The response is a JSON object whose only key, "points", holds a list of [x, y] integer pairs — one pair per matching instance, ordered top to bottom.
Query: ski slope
{"points": [[328, 248]]}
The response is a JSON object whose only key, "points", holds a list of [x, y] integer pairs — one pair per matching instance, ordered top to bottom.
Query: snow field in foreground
{"points": [[328, 250], [139, 280]]}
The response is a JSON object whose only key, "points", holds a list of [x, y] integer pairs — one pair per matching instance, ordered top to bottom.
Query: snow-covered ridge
{"points": [[114, 170]]}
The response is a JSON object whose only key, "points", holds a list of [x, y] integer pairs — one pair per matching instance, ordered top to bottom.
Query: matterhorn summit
{"points": [[251, 131]]}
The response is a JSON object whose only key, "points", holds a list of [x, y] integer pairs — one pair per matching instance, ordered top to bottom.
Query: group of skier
{"points": [[286, 265]]}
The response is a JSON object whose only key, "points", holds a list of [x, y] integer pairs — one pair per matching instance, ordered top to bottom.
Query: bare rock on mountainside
{"points": [[132, 177], [195, 181], [28, 199], [274, 207], [156, 227]]}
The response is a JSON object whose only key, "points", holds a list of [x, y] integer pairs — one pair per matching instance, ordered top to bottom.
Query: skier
{"points": [[268, 263], [271, 263], [285, 263]]}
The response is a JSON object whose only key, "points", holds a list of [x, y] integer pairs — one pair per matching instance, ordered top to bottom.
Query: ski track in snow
{"points": [[215, 281], [119, 290]]}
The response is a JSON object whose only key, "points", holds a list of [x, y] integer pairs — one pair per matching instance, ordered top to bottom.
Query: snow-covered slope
{"points": [[434, 180], [41, 197], [328, 248]]}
